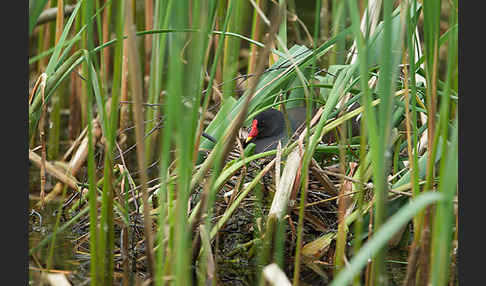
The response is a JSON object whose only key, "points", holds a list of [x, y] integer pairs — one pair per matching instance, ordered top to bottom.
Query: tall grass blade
{"points": [[444, 216], [443, 224], [107, 227], [381, 237], [95, 266]]}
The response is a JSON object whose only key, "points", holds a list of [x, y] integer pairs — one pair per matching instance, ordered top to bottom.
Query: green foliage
{"points": [[196, 54]]}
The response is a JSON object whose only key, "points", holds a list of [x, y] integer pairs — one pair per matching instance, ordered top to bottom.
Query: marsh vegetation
{"points": [[140, 173]]}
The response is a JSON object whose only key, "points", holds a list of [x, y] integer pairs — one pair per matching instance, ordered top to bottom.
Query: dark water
{"points": [[41, 224]]}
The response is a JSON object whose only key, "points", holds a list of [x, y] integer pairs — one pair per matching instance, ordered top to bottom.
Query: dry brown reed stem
{"points": [[295, 18], [59, 19], [149, 21], [257, 33], [45, 46], [105, 71], [34, 89], [137, 91], [431, 98], [74, 106], [124, 109], [42, 139], [74, 145], [79, 158], [54, 171], [330, 199], [343, 203], [425, 241], [414, 250], [412, 265], [50, 270]]}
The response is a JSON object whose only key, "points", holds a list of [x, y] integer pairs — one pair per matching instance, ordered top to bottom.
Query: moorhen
{"points": [[269, 126]]}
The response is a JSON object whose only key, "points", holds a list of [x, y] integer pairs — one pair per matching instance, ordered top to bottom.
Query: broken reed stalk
{"points": [[51, 14], [54, 171], [283, 192], [280, 202], [275, 276]]}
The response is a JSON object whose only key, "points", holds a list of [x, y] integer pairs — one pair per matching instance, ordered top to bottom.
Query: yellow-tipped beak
{"points": [[248, 139]]}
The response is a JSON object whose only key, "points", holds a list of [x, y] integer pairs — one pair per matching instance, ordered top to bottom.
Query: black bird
{"points": [[269, 126]]}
